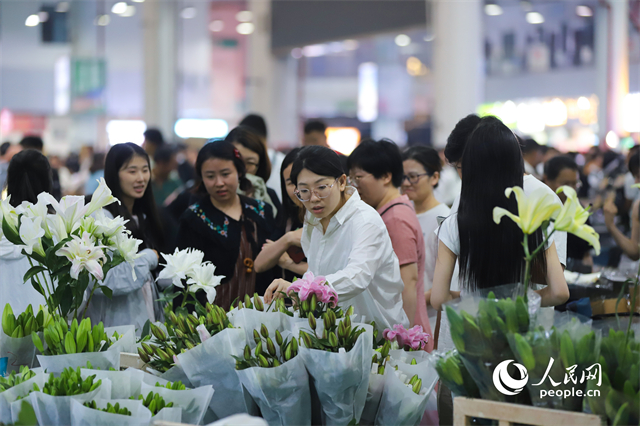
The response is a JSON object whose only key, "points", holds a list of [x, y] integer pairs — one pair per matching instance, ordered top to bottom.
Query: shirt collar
{"points": [[345, 211]]}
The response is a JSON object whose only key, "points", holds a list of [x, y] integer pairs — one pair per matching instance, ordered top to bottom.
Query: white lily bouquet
{"points": [[69, 248]]}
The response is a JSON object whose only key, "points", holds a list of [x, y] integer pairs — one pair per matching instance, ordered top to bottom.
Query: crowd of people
{"points": [[397, 233]]}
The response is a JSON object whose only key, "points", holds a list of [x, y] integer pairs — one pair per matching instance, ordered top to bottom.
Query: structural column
{"points": [[160, 62], [619, 62], [458, 63]]}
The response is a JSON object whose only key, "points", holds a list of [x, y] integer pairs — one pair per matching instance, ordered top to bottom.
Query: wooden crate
{"points": [[507, 414]]}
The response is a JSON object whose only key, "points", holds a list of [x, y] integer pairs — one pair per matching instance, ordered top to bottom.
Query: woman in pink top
{"points": [[375, 168]]}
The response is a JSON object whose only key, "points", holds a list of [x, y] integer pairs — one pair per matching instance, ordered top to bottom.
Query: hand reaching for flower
{"points": [[276, 289]]}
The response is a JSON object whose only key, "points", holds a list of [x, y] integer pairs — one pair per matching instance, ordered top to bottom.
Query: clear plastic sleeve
{"points": [[19, 351], [102, 360], [194, 402], [85, 416]]}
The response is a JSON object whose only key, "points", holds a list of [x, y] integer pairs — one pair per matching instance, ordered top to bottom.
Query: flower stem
{"points": [[88, 302]]}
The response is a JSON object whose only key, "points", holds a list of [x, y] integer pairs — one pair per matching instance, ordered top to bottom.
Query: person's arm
{"points": [[628, 245], [272, 251], [287, 263], [446, 263], [409, 273], [556, 292]]}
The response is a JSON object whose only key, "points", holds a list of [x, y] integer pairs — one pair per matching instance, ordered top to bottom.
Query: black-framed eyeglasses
{"points": [[413, 177], [322, 191]]}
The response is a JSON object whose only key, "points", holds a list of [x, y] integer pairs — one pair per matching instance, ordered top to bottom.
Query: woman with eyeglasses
{"points": [[422, 167], [229, 228], [346, 241]]}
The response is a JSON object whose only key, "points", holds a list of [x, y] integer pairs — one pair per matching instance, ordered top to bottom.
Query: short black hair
{"points": [[256, 123], [314, 126], [154, 136], [457, 140], [32, 142], [529, 145], [4, 148], [164, 153], [378, 158], [319, 160], [634, 163], [556, 165]]}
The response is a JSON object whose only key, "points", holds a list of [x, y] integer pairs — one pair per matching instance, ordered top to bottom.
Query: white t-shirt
{"points": [[530, 184], [429, 224], [356, 257]]}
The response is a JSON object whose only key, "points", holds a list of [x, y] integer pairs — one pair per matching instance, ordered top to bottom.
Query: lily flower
{"points": [[101, 197], [71, 209], [533, 210], [9, 213], [573, 218], [109, 227], [57, 228], [31, 233], [128, 249], [84, 254], [180, 264], [202, 277]]}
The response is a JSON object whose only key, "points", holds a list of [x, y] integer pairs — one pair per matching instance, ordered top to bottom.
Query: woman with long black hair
{"points": [[127, 174], [229, 228], [491, 254]]}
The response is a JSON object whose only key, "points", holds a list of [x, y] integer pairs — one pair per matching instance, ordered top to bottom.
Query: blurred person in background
{"points": [[258, 125], [315, 133], [152, 141], [35, 142], [7, 151], [549, 152], [533, 154], [257, 165], [186, 166], [422, 168], [186, 170], [96, 171], [376, 171], [563, 171], [127, 173], [29, 174], [449, 183], [166, 184], [630, 193], [227, 227], [628, 245], [286, 252]]}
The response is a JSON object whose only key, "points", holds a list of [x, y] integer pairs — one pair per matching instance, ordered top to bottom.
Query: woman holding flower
{"points": [[127, 174], [227, 227], [345, 241]]}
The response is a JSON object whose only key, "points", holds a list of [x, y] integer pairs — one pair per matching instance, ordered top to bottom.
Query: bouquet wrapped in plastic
{"points": [[479, 327], [15, 336], [454, 374], [16, 386], [193, 402], [109, 412]]}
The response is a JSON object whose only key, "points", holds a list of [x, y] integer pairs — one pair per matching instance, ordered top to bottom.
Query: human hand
{"points": [[610, 211], [275, 289]]}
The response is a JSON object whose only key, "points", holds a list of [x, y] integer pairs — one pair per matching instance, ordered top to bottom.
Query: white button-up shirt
{"points": [[356, 257]]}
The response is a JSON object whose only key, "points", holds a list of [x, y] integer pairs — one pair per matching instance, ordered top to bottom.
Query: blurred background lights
{"points": [[62, 7], [119, 8], [492, 9], [130, 11], [584, 11], [188, 13], [43, 16], [244, 16], [534, 18], [103, 20], [32, 21], [216, 26], [245, 28], [403, 40], [350, 44], [314, 50], [296, 53], [367, 92], [584, 103], [631, 112], [555, 113], [530, 118], [201, 128], [122, 131], [343, 139], [612, 139]]}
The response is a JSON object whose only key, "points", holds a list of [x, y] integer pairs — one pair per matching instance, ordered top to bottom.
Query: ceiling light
{"points": [[138, 1], [62, 7], [119, 8], [492, 9], [130, 11], [584, 11], [188, 13], [43, 16], [244, 16], [535, 18], [102, 20], [32, 21], [216, 26], [245, 28], [403, 40], [350, 44], [314, 50], [296, 53], [583, 103], [612, 139]]}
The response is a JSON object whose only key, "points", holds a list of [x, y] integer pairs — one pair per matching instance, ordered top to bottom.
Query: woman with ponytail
{"points": [[229, 228]]}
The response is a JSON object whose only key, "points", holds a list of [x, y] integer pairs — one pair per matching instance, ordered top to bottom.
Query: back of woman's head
{"points": [[248, 138], [222, 150], [426, 156], [319, 160], [28, 175], [144, 208], [290, 208], [490, 254]]}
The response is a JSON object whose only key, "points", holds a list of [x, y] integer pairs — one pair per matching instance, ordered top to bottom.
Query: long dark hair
{"points": [[248, 138], [222, 150], [319, 160], [28, 175], [291, 210], [148, 227], [490, 254]]}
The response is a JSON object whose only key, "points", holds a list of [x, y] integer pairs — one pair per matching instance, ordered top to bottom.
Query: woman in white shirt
{"points": [[346, 241], [491, 254]]}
